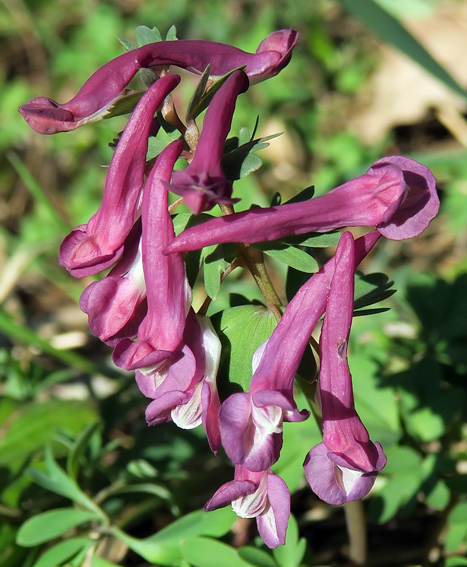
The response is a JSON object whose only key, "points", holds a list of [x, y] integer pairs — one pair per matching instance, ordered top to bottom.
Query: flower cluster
{"points": [[142, 307]]}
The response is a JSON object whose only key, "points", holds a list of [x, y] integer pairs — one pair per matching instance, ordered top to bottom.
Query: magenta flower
{"points": [[103, 89], [203, 183], [397, 195], [96, 245], [168, 295], [116, 304], [171, 381], [183, 389], [204, 404], [251, 423], [344, 466], [260, 495]]}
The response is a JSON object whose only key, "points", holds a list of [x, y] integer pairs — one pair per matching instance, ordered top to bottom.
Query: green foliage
{"points": [[242, 330], [34, 425], [49, 525], [166, 547], [63, 551]]}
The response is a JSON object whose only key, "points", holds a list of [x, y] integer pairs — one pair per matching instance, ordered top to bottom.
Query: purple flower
{"points": [[108, 84], [203, 183], [397, 195], [95, 246], [168, 295], [116, 304], [171, 382], [184, 388], [204, 404], [251, 423], [344, 466], [260, 495]]}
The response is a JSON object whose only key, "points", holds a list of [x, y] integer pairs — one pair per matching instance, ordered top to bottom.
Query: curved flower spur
{"points": [[108, 84], [203, 183], [397, 195], [94, 246], [344, 466]]}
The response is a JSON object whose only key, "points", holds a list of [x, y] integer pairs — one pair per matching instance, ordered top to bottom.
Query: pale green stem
{"points": [[254, 261], [356, 529]]}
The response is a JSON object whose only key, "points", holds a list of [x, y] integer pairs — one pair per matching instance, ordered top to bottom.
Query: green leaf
{"points": [[390, 30], [171, 34], [145, 35], [126, 43], [210, 92], [197, 96], [156, 144], [242, 161], [304, 195], [40, 196], [315, 240], [289, 255], [214, 265], [371, 289], [241, 331], [376, 403], [427, 406], [33, 425], [79, 447], [402, 459], [56, 480], [147, 488], [397, 492], [438, 498], [458, 514], [51, 524], [455, 536], [164, 547], [63, 551], [205, 552], [291, 554], [256, 556], [455, 561], [100, 562]]}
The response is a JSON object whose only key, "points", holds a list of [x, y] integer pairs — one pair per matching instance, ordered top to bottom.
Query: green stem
{"points": [[254, 261], [356, 529]]}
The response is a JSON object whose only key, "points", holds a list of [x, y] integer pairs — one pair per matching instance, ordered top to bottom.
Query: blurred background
{"points": [[346, 99]]}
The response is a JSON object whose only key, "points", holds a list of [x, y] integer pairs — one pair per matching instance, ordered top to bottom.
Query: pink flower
{"points": [[108, 84], [203, 183], [397, 195], [98, 244], [116, 304], [160, 333], [251, 423], [344, 466], [260, 495]]}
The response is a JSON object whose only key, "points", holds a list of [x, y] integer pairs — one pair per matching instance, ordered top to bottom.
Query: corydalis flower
{"points": [[107, 85], [203, 183], [397, 195], [94, 246], [116, 304], [161, 331], [183, 388], [203, 404], [251, 423], [344, 466], [260, 495]]}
